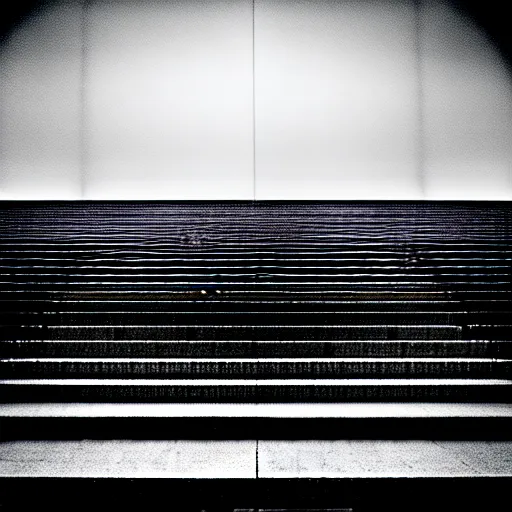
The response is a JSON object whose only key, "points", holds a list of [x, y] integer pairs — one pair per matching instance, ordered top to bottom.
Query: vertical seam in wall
{"points": [[418, 34], [83, 77], [253, 102], [510, 119], [257, 458]]}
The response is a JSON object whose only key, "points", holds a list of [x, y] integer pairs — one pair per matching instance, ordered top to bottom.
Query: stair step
{"points": [[251, 246], [305, 266], [243, 274], [393, 287], [480, 299], [225, 304], [245, 317], [248, 317], [242, 332], [234, 349], [285, 368], [274, 390], [421, 410], [486, 421], [127, 459]]}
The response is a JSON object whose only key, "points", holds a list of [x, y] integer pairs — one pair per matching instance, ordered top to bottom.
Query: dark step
{"points": [[263, 240], [134, 254], [24, 261], [318, 272], [228, 275], [479, 281], [193, 288], [476, 299], [225, 304], [248, 317], [493, 332], [235, 333], [234, 349], [332, 368], [274, 391], [257, 421], [474, 493]]}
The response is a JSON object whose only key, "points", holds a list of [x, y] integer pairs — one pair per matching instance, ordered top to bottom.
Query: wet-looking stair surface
{"points": [[182, 308]]}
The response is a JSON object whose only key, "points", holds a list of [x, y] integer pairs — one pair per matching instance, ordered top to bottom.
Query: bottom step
{"points": [[288, 390], [440, 421], [252, 459], [365, 494]]}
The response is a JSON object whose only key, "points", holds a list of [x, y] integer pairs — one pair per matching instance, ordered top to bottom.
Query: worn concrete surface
{"points": [[291, 410], [128, 459], [237, 459], [378, 459]]}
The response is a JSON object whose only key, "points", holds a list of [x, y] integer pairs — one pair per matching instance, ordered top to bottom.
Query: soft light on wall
{"points": [[271, 99]]}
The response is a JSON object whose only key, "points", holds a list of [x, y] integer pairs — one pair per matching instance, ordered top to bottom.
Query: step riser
{"points": [[269, 245], [36, 264], [237, 273], [460, 282], [365, 289], [479, 300], [144, 304], [253, 318], [259, 332], [262, 333], [234, 349], [503, 349], [249, 370], [262, 393], [16, 428], [255, 495]]}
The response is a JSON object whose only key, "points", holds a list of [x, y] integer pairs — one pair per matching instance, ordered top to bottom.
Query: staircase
{"points": [[254, 321]]}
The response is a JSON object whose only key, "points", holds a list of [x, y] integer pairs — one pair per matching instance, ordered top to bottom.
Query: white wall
{"points": [[353, 99], [169, 100], [336, 100], [40, 107], [467, 109]]}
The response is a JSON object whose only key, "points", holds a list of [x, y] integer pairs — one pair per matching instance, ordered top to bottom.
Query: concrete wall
{"points": [[300, 99], [40, 107]]}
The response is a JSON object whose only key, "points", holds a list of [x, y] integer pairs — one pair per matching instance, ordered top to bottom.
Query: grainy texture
{"points": [[255, 302], [129, 459], [277, 459], [381, 459]]}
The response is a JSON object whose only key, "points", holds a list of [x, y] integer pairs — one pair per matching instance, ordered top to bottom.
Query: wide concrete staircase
{"points": [[324, 345]]}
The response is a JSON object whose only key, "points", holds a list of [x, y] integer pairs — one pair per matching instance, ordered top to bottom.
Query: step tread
{"points": [[291, 359], [256, 382], [258, 410], [237, 459]]}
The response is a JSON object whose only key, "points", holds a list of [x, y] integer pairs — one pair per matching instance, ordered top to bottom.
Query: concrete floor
{"points": [[276, 410], [251, 459]]}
